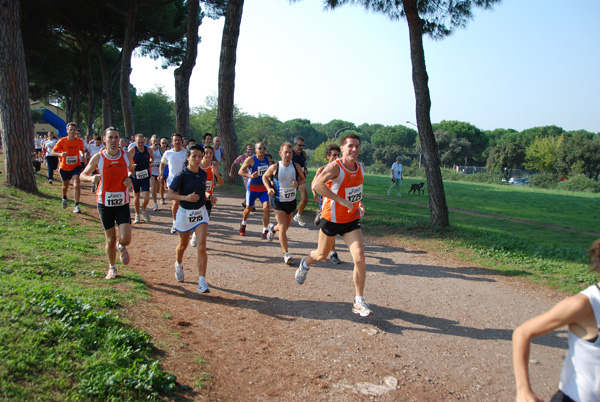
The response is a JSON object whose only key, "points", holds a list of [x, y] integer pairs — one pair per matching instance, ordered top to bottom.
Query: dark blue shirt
{"points": [[188, 182]]}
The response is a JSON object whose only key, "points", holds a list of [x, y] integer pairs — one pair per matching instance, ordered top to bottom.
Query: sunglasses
{"points": [[261, 148]]}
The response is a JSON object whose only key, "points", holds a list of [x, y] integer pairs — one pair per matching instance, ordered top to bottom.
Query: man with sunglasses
{"points": [[299, 157], [254, 167]]}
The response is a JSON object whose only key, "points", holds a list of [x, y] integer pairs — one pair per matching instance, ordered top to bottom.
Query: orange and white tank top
{"points": [[210, 178], [348, 185], [111, 192]]}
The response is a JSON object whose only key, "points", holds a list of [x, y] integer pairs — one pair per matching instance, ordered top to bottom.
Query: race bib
{"points": [[71, 160], [262, 169], [141, 174], [208, 185], [288, 194], [354, 194], [114, 199], [195, 216]]}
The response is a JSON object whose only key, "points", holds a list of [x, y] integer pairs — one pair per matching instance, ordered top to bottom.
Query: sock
{"points": [[173, 222], [243, 223], [265, 229], [179, 265], [112, 266], [201, 279], [358, 299]]}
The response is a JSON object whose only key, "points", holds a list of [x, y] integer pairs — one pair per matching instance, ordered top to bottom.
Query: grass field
{"points": [[61, 338]]}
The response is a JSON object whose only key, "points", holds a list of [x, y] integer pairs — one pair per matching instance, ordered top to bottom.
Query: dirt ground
{"points": [[441, 330]]}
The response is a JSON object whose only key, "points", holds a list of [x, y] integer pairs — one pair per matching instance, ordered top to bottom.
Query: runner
{"points": [[207, 139], [164, 147], [93, 148], [70, 150], [332, 152], [218, 153], [299, 157], [174, 158], [142, 159], [240, 160], [51, 161], [254, 167], [155, 168], [115, 169], [282, 180], [188, 187], [342, 209]]}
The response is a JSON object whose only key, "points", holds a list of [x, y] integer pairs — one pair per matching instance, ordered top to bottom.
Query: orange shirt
{"points": [[72, 148], [210, 178], [348, 185], [111, 191]]}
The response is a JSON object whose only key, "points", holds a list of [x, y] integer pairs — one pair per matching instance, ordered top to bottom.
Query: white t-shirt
{"points": [[49, 144], [94, 149], [175, 161], [396, 171]]}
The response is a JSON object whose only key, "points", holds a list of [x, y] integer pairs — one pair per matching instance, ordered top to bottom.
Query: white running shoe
{"points": [[63, 203], [155, 207], [76, 209], [146, 216], [137, 219], [300, 220], [173, 230], [270, 233], [193, 240], [334, 258], [287, 259], [179, 272], [301, 272], [112, 273], [203, 287], [362, 308]]}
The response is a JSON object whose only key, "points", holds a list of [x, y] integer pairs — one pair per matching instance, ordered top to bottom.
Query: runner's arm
{"points": [[245, 166], [331, 172], [86, 175], [217, 175], [267, 176], [301, 177], [174, 195], [316, 197]]}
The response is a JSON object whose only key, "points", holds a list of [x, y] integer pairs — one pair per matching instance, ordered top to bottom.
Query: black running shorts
{"points": [[110, 215], [333, 229]]}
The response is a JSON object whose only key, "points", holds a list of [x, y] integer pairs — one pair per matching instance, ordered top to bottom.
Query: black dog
{"points": [[417, 188]]}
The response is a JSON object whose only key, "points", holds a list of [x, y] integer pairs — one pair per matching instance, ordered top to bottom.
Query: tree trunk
{"points": [[231, 33], [126, 52], [184, 72], [106, 90], [91, 115], [15, 116], [437, 199]]}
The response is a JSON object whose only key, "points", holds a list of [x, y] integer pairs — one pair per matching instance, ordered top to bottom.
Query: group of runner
{"points": [[190, 176]]}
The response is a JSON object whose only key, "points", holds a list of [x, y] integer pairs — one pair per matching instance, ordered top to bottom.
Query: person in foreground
{"points": [[115, 167], [341, 186], [189, 189], [580, 375]]}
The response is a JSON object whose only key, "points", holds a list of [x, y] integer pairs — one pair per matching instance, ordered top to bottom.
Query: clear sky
{"points": [[521, 65]]}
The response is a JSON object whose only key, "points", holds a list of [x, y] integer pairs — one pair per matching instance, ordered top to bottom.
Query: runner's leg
{"points": [[354, 241]]}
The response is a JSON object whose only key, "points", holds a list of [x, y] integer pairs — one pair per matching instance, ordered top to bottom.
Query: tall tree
{"points": [[436, 18], [231, 33], [126, 53], [184, 72], [15, 116]]}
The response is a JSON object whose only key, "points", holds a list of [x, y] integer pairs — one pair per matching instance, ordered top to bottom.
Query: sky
{"points": [[522, 64]]}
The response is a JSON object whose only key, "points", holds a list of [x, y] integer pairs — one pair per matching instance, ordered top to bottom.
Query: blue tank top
{"points": [[141, 159], [299, 159], [256, 184]]}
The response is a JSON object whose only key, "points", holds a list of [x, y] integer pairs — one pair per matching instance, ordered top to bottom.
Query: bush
{"points": [[378, 168], [414, 171], [452, 175], [483, 178], [543, 180], [579, 182]]}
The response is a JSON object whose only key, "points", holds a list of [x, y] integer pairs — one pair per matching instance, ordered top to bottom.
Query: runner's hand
{"points": [[192, 197], [348, 205]]}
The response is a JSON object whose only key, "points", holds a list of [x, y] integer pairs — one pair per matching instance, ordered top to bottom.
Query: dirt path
{"points": [[441, 330]]}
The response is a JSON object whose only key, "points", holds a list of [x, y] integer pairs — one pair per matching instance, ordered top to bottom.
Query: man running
{"points": [[207, 140], [93, 148], [70, 151], [332, 152], [218, 153], [299, 157], [142, 158], [174, 158], [239, 160], [51, 161], [115, 168], [155, 168], [254, 168], [282, 180], [342, 209]]}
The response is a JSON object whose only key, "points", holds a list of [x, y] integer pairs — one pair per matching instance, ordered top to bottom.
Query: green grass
{"points": [[61, 338]]}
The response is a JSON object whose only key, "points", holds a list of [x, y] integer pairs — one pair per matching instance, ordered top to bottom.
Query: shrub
{"points": [[378, 168], [414, 171], [452, 175], [483, 178], [543, 180], [580, 182]]}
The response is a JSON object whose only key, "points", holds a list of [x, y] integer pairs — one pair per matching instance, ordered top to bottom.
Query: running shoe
{"points": [[49, 181], [162, 201], [64, 203], [155, 207], [76, 209], [146, 216], [137, 219], [300, 220], [317, 220], [173, 230], [242, 230], [270, 233], [263, 236], [193, 240], [124, 254], [334, 258], [287, 259], [179, 272], [301, 272], [112, 273], [203, 287], [362, 308]]}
